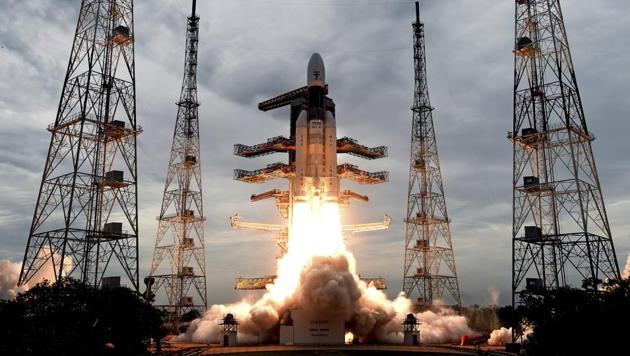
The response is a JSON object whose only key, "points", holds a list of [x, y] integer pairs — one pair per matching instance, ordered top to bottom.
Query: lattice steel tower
{"points": [[86, 212], [560, 233], [429, 260], [178, 270]]}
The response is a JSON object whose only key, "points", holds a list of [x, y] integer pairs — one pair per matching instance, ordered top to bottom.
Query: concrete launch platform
{"points": [[190, 349]]}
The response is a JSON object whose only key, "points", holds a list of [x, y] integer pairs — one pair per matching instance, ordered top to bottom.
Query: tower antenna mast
{"points": [[86, 216], [560, 232], [429, 267], [177, 278]]}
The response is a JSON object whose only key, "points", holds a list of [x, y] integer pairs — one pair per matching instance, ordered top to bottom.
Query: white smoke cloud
{"points": [[626, 270], [10, 273], [328, 285], [494, 296], [444, 326], [207, 329], [500, 336], [503, 336]]}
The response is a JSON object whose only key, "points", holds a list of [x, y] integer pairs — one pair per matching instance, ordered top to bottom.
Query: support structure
{"points": [[86, 218], [560, 232], [429, 267], [177, 278], [260, 283], [411, 331]]}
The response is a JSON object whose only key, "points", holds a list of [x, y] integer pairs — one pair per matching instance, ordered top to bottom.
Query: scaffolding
{"points": [[281, 144], [273, 145], [352, 147], [272, 171], [352, 172], [85, 223], [358, 228], [560, 232], [429, 267], [177, 277], [260, 283]]}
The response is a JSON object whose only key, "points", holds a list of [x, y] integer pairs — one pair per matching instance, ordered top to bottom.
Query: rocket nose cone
{"points": [[316, 72]]}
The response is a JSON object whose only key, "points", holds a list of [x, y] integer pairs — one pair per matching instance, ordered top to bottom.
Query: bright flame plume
{"points": [[316, 231], [318, 274]]}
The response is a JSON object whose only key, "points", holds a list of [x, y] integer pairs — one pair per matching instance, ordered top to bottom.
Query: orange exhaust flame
{"points": [[315, 231]]}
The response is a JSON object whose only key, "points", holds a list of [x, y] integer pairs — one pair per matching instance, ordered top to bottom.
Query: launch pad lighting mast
{"points": [[86, 219], [560, 232], [429, 267], [180, 286]]}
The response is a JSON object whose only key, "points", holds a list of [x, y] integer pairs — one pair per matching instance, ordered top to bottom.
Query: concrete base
{"points": [[309, 329], [286, 334], [228, 338], [411, 338]]}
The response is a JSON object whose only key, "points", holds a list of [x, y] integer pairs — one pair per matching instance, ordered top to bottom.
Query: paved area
{"points": [[191, 349], [342, 350]]}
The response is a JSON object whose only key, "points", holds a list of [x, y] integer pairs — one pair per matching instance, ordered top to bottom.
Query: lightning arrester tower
{"points": [[86, 218], [560, 232], [429, 267], [178, 271]]}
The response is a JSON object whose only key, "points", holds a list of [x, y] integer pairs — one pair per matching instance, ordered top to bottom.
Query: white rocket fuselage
{"points": [[316, 142]]}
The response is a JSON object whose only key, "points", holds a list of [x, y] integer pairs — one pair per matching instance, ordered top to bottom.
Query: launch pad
{"points": [[299, 327], [290, 350]]}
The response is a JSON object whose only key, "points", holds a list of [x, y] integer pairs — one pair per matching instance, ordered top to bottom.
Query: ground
{"points": [[190, 349]]}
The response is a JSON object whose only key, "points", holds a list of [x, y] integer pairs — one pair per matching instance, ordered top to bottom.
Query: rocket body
{"points": [[316, 142]]}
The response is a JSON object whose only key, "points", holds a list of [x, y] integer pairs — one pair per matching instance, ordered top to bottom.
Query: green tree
{"points": [[70, 318], [570, 321]]}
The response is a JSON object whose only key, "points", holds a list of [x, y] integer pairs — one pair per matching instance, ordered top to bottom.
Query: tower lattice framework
{"points": [[85, 221], [560, 234], [429, 268], [177, 278]]}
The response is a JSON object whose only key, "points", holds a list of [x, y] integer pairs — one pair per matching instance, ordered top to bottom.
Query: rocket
{"points": [[316, 141]]}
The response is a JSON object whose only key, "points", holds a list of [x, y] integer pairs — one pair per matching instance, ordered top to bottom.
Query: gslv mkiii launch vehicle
{"points": [[312, 169]]}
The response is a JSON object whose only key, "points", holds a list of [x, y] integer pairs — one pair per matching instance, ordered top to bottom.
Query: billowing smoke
{"points": [[626, 270], [10, 273], [318, 276], [328, 286], [494, 296], [444, 326], [503, 335], [500, 336]]}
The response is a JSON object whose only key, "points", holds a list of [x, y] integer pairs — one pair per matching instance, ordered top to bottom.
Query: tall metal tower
{"points": [[86, 214], [560, 231], [429, 260], [178, 270]]}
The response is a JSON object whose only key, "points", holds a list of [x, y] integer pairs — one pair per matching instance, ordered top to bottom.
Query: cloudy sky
{"points": [[253, 50]]}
